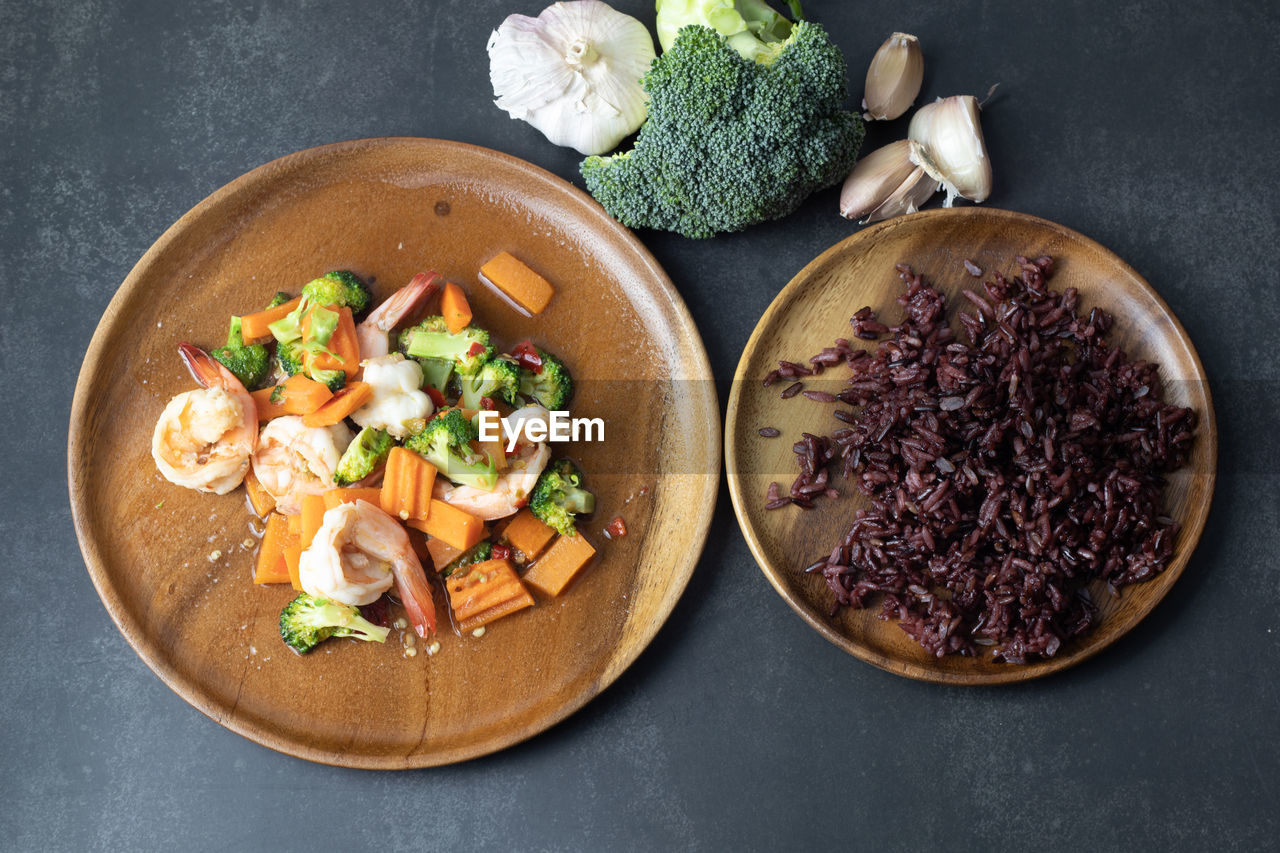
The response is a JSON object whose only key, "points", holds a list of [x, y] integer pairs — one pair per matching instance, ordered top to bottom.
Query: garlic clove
{"points": [[573, 72], [894, 77], [954, 151], [874, 178], [918, 188]]}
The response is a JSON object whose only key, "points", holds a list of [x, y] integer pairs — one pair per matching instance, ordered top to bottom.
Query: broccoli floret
{"points": [[752, 27], [730, 142], [340, 287], [279, 299], [468, 350], [292, 359], [250, 363], [436, 372], [331, 379], [497, 379], [552, 386], [445, 442], [363, 455], [559, 496], [477, 553], [308, 621]]}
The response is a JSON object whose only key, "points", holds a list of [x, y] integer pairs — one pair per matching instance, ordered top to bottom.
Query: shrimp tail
{"points": [[207, 370], [415, 594]]}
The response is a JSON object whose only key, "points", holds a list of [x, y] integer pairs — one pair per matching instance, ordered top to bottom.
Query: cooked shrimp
{"points": [[372, 333], [204, 438], [293, 459], [512, 489], [357, 554]]}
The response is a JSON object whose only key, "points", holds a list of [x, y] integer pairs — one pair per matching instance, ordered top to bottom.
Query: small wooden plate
{"points": [[388, 209], [814, 309]]}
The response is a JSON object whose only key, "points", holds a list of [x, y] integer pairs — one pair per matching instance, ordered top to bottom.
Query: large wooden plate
{"points": [[387, 209], [814, 309]]}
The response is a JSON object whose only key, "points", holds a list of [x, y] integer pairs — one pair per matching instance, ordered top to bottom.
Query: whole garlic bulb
{"points": [[573, 72]]}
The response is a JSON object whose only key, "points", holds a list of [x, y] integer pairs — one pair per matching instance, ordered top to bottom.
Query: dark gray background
{"points": [[1149, 126]]}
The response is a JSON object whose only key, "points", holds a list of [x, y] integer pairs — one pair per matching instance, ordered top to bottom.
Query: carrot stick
{"points": [[528, 290], [455, 308], [253, 327], [343, 343], [297, 395], [344, 401], [406, 485], [333, 497], [259, 498], [311, 518], [445, 521], [527, 534], [293, 550], [441, 553], [561, 564], [270, 566], [485, 592]]}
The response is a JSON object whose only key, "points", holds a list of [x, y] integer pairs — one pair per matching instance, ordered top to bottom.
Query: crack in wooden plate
{"points": [[388, 208], [814, 309]]}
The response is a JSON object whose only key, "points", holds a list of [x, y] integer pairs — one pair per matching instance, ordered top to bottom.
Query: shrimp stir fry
{"points": [[204, 438], [294, 459], [513, 488], [358, 553]]}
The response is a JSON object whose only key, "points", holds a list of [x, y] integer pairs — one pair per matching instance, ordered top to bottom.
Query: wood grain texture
{"points": [[387, 209], [814, 309]]}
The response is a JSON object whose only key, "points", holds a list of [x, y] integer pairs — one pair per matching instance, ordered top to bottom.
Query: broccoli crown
{"points": [[751, 27], [730, 142], [340, 287], [280, 298], [468, 350], [290, 358], [293, 359], [251, 364], [498, 378], [552, 387], [445, 442], [363, 455], [559, 496], [477, 553], [308, 621]]}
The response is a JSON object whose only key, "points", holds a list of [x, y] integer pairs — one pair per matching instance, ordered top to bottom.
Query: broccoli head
{"points": [[752, 27], [730, 142], [340, 287], [280, 298], [468, 350], [293, 359], [251, 363], [498, 379], [551, 386], [445, 442], [363, 455], [559, 496], [477, 553], [308, 621]]}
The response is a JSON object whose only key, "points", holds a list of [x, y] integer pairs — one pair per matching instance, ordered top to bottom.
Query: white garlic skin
{"points": [[573, 72], [893, 78], [956, 154], [874, 178]]}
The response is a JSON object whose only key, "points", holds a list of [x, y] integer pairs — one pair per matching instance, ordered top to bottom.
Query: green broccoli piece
{"points": [[751, 27], [730, 142], [340, 287], [279, 299], [468, 350], [289, 357], [292, 359], [250, 363], [436, 372], [331, 379], [497, 379], [552, 387], [445, 442], [363, 455], [559, 496], [477, 553], [308, 621]]}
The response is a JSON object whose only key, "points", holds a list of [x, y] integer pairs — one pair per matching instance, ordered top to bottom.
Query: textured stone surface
{"points": [[1149, 126]]}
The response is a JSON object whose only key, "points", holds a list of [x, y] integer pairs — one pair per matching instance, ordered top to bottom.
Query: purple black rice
{"points": [[1004, 474]]}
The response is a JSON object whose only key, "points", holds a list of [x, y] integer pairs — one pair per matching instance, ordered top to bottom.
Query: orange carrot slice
{"points": [[530, 291], [455, 308], [254, 327], [343, 344], [297, 395], [344, 401], [406, 485], [333, 497], [259, 498], [311, 518], [445, 521], [527, 534], [293, 550], [441, 553], [566, 557], [270, 566], [485, 592]]}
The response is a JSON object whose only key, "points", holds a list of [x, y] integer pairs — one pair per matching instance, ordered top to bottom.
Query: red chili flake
{"points": [[475, 350], [527, 355], [437, 398], [487, 403], [616, 528], [501, 552], [376, 612]]}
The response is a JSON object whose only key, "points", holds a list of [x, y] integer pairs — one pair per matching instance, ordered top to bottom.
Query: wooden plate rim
{"points": [[1192, 529], [190, 689]]}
